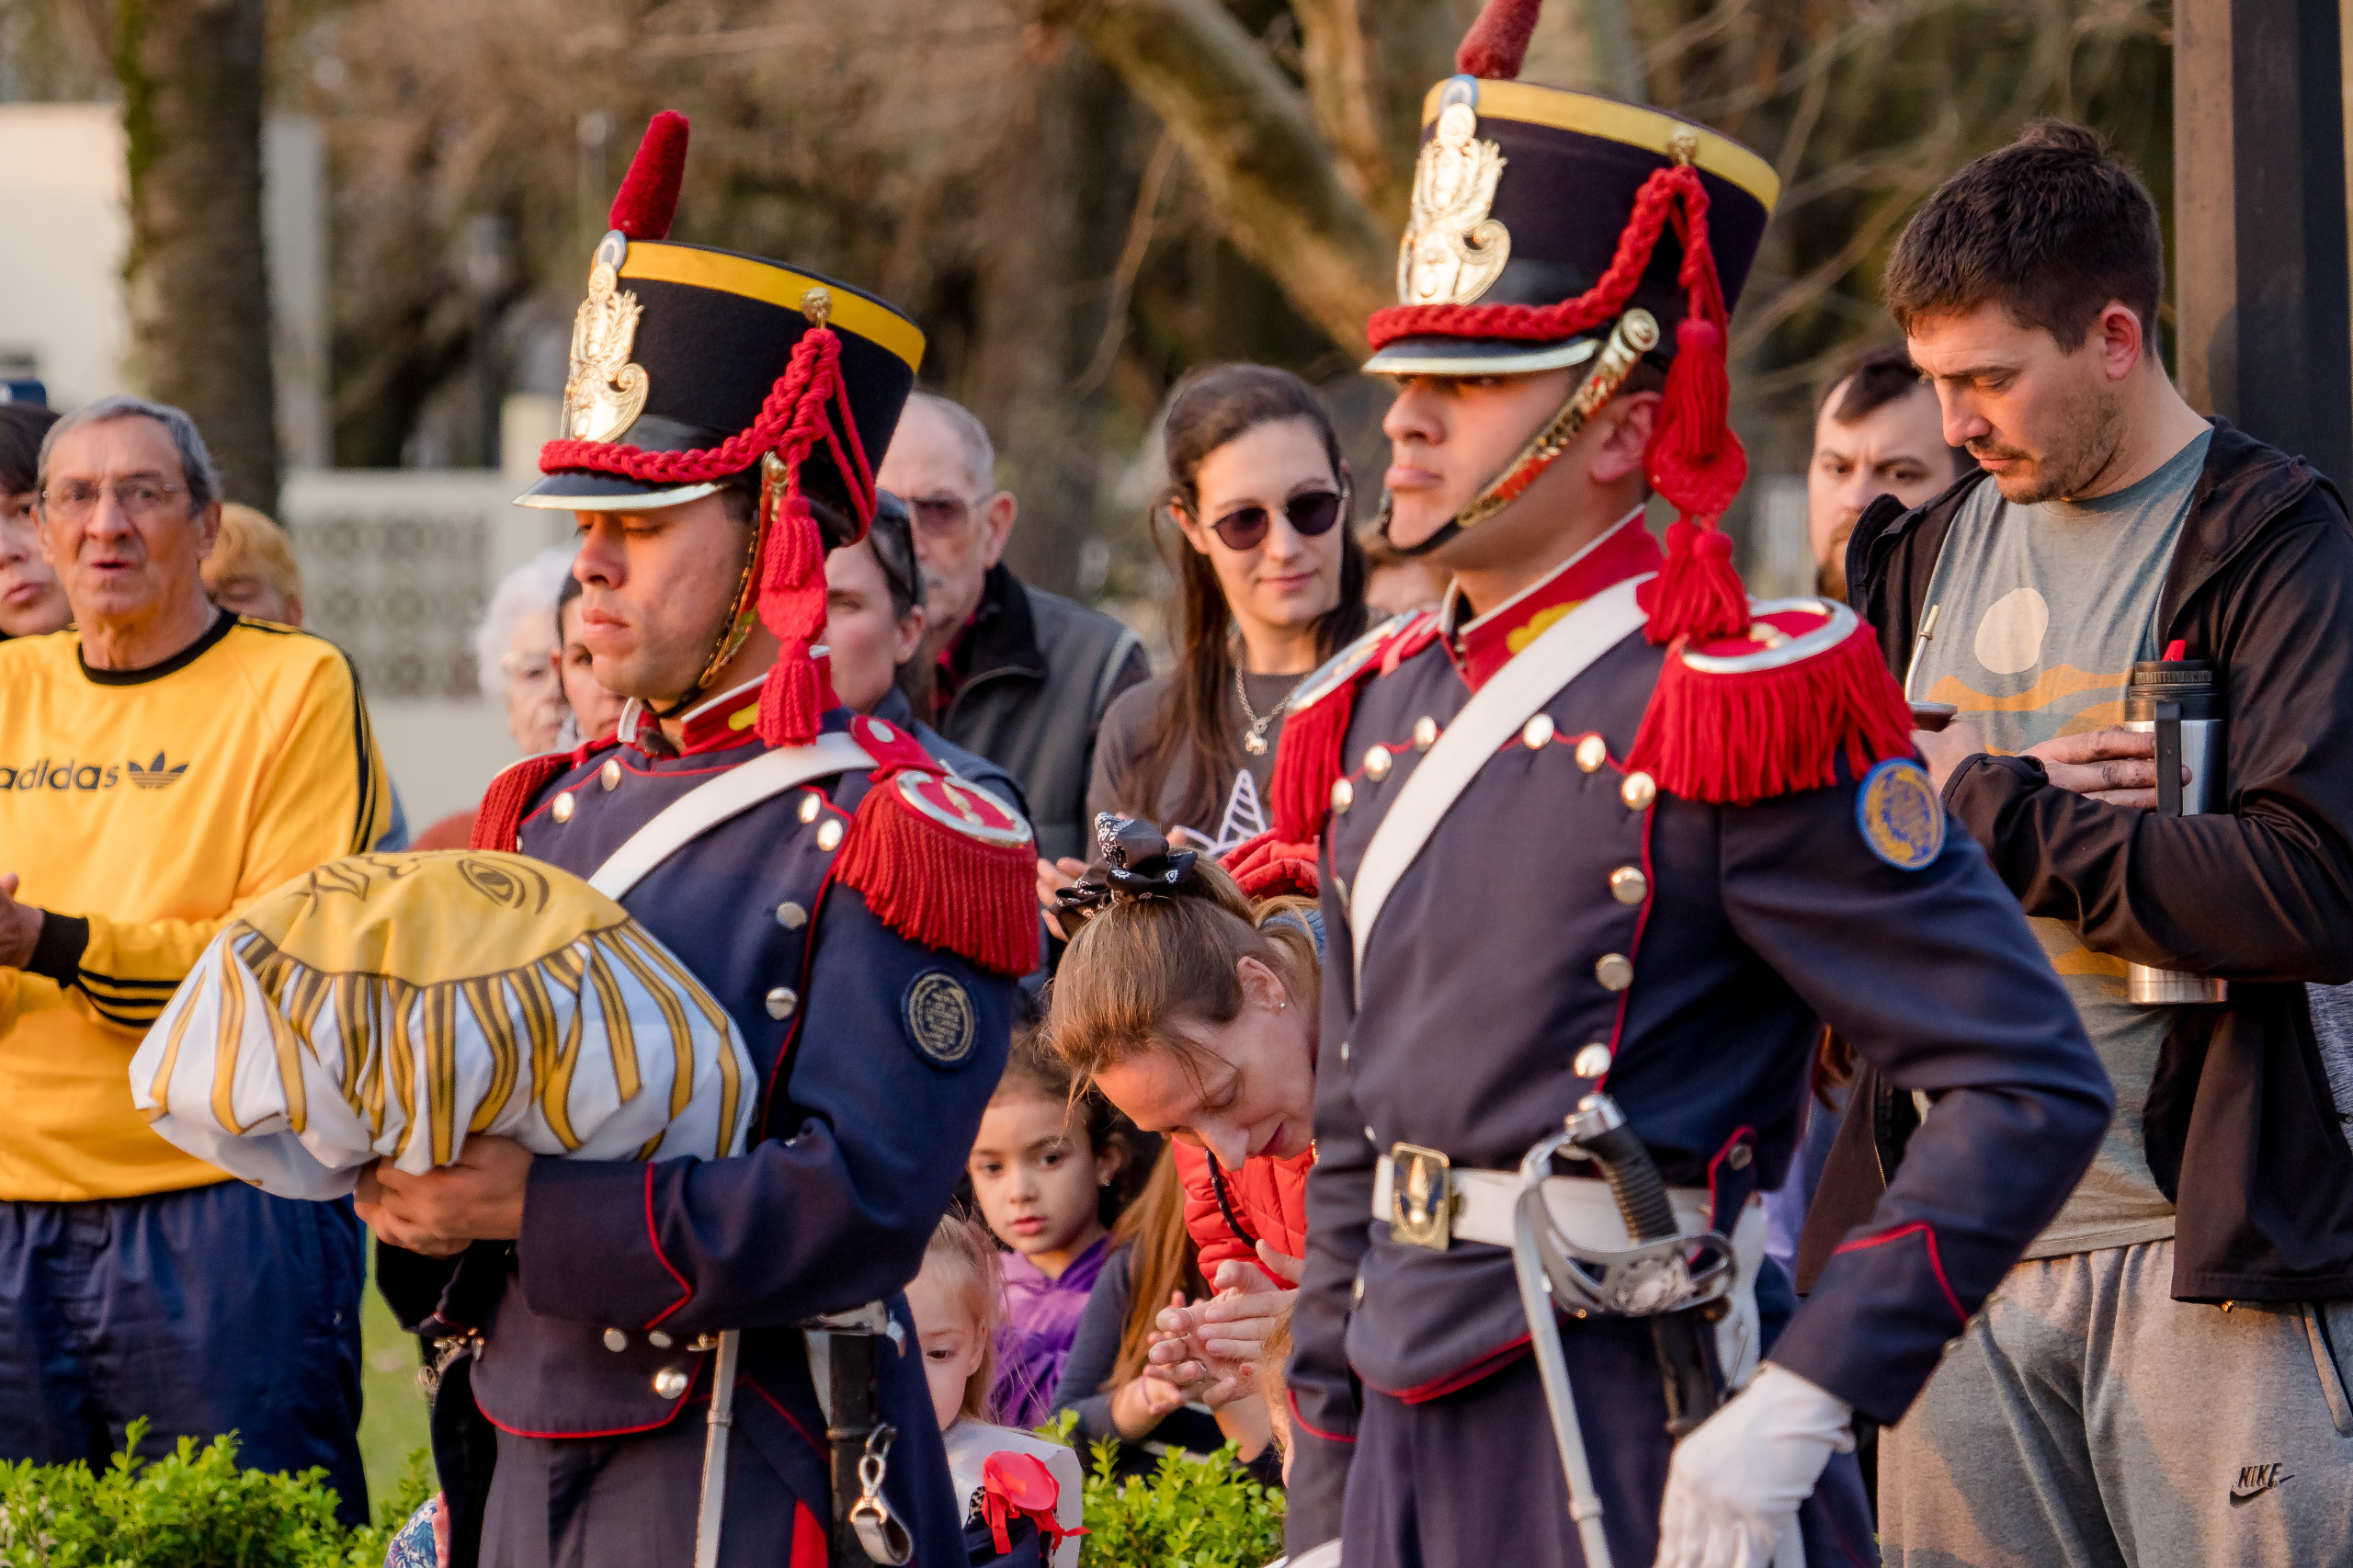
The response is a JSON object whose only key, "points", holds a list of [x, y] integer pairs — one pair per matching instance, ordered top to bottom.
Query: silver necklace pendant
{"points": [[1254, 733]]}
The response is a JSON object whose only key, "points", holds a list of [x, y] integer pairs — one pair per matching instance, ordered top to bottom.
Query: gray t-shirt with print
{"points": [[2045, 609]]}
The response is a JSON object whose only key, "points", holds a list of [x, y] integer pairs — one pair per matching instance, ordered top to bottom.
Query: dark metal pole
{"points": [[2263, 297]]}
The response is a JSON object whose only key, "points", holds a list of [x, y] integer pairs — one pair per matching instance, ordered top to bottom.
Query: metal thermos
{"points": [[2179, 702]]}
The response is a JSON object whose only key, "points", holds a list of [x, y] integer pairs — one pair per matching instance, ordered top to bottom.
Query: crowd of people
{"points": [[1947, 959]]}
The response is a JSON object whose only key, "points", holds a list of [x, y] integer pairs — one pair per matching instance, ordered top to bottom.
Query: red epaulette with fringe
{"points": [[1769, 710], [1316, 722], [508, 799], [940, 861]]}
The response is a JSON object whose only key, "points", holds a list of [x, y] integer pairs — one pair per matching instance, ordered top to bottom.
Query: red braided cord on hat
{"points": [[1597, 305], [765, 434]]}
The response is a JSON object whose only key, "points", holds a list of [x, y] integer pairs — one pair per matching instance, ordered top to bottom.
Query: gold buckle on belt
{"points": [[1421, 1198]]}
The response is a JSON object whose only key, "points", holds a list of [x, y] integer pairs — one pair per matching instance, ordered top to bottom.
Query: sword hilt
{"points": [[1599, 1130]]}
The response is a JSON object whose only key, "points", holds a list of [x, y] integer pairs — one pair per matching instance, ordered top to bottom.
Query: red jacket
{"points": [[1227, 1213]]}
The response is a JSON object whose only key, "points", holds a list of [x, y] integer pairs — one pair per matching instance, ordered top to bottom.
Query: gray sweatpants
{"points": [[2087, 1417]]}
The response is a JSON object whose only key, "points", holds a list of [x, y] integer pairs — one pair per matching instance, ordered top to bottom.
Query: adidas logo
{"points": [[155, 775]]}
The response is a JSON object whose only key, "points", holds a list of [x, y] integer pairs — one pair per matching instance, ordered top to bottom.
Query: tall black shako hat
{"points": [[1554, 228], [692, 366]]}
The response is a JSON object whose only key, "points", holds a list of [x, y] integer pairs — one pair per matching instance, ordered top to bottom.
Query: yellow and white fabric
{"points": [[390, 1005]]}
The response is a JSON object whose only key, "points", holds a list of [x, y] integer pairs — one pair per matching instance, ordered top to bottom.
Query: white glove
{"points": [[1733, 1488]]}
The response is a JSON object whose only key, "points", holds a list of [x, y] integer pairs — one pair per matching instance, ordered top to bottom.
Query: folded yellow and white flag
{"points": [[390, 1004]]}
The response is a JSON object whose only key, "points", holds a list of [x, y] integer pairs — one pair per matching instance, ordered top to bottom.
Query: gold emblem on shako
{"points": [[1453, 250], [1901, 814], [938, 1014]]}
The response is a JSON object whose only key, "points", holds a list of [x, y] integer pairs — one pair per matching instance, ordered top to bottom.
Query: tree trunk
{"points": [[1369, 63], [1252, 142], [198, 288], [1029, 337]]}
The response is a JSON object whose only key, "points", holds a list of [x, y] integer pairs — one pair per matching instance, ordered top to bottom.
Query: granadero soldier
{"points": [[1605, 843], [857, 911]]}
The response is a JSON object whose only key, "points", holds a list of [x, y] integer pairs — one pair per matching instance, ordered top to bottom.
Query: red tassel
{"points": [[1497, 41], [648, 198], [1694, 460], [1697, 594], [793, 604], [794, 699], [1735, 739], [1307, 763], [509, 797], [1269, 867], [940, 887]]}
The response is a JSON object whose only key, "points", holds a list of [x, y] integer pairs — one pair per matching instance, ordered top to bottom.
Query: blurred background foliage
{"points": [[1081, 200]]}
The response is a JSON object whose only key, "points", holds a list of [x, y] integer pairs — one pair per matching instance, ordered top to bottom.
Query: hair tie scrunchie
{"points": [[1135, 862]]}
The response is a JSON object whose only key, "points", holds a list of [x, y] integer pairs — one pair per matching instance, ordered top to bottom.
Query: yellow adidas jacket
{"points": [[142, 808]]}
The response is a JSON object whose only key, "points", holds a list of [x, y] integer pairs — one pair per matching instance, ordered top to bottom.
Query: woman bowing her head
{"points": [[1192, 1007]]}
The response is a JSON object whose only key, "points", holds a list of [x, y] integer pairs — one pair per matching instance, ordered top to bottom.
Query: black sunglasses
{"points": [[1310, 513]]}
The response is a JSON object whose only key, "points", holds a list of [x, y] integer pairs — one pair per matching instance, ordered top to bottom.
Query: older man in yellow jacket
{"points": [[163, 762]]}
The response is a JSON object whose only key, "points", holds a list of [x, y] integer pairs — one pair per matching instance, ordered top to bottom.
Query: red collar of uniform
{"points": [[1481, 646], [726, 719]]}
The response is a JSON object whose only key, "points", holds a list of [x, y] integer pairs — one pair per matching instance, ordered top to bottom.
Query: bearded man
{"points": [[2176, 1344]]}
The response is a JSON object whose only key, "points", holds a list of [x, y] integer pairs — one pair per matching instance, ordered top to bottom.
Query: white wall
{"points": [[62, 184], [62, 313], [407, 619], [442, 755]]}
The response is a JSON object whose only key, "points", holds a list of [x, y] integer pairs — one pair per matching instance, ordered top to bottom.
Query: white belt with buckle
{"points": [[1480, 1206]]}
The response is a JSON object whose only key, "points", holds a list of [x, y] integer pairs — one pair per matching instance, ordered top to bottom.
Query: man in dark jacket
{"points": [[1019, 674], [2174, 1349]]}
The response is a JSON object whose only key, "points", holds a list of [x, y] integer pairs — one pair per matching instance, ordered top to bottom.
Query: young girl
{"points": [[1271, 584], [1193, 1009], [1043, 1171], [954, 1300], [1110, 1381]]}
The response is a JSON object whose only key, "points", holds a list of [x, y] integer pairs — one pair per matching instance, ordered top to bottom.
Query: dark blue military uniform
{"points": [[1706, 837], [1565, 902], [862, 928], [866, 1111]]}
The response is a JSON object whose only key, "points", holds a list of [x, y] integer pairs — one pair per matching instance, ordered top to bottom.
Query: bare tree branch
{"points": [[1252, 142], [1132, 254]]}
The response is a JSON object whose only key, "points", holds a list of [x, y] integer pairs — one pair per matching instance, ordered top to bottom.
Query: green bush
{"points": [[193, 1509], [196, 1509], [1188, 1513]]}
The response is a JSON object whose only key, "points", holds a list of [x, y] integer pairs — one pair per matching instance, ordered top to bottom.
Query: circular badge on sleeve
{"points": [[1900, 815], [937, 1012]]}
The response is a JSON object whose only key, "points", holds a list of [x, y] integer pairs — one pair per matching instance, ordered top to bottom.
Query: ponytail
{"points": [[1161, 936]]}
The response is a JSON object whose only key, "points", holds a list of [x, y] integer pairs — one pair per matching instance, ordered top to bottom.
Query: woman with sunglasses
{"points": [[1271, 584]]}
